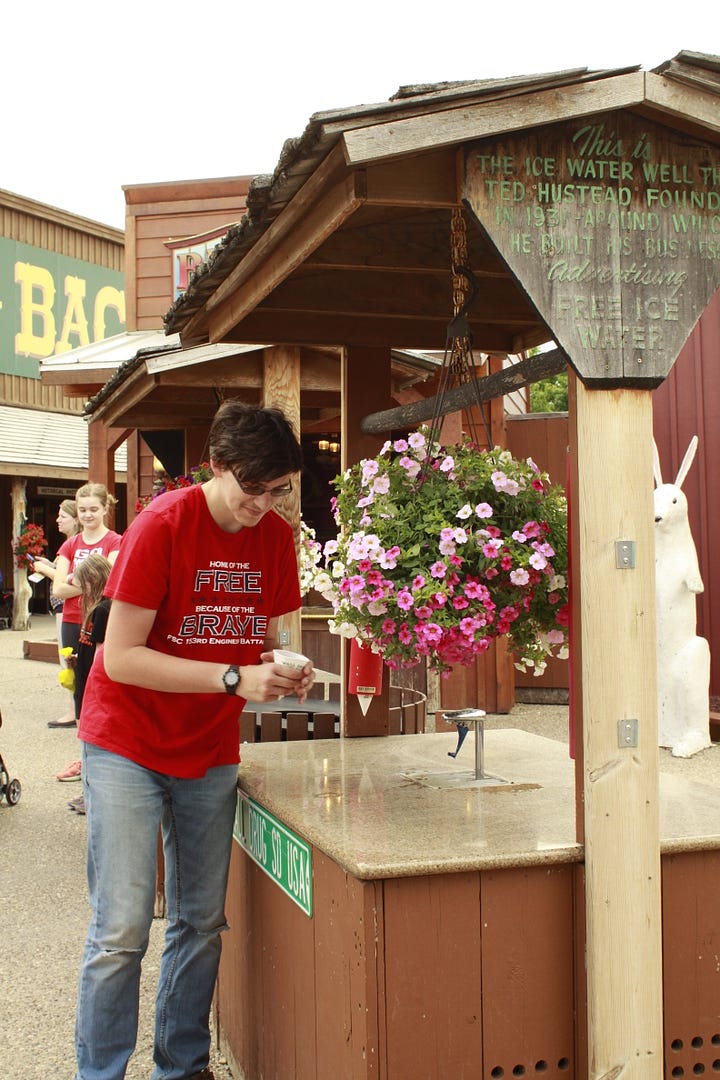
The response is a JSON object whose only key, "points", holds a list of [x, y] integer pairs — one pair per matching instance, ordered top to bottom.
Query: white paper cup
{"points": [[288, 659]]}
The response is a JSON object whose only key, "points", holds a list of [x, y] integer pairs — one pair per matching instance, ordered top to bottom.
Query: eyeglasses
{"points": [[260, 489]]}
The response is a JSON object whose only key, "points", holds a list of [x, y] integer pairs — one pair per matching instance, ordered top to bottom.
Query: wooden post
{"points": [[365, 387], [282, 391], [613, 434], [21, 588]]}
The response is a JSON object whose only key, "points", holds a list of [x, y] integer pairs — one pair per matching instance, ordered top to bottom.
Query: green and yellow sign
{"points": [[50, 304]]}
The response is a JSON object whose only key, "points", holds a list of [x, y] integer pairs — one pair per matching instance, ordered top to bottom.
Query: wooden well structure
{"points": [[592, 206]]}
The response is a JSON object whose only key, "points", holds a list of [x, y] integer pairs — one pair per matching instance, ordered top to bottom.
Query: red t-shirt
{"points": [[75, 550], [214, 593]]}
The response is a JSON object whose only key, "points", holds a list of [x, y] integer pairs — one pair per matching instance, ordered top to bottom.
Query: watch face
{"points": [[231, 678]]}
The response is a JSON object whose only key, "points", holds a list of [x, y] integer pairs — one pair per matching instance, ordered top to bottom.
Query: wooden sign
{"points": [[611, 225]]}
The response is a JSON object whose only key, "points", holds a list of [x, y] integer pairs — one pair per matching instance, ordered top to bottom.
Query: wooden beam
{"points": [[676, 100], [468, 123], [431, 182], [287, 231], [411, 244], [289, 253], [389, 292], [396, 332], [76, 375], [502, 382], [282, 391], [612, 431]]}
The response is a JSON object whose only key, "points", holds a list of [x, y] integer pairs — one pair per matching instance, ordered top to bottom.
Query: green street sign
{"points": [[279, 852]]}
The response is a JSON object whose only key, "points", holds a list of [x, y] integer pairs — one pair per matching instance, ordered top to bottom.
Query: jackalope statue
{"points": [[683, 658]]}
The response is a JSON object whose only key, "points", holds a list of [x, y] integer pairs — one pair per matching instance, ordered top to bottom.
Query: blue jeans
{"points": [[125, 804]]}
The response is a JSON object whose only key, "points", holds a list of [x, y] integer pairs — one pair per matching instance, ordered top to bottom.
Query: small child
{"points": [[91, 577]]}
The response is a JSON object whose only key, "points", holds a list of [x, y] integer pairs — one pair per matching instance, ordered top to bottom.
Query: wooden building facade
{"points": [[61, 286]]}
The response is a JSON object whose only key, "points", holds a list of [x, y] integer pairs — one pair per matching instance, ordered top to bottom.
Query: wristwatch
{"points": [[231, 679]]}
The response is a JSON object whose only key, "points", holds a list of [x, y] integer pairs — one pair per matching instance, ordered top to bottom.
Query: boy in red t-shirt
{"points": [[202, 576]]}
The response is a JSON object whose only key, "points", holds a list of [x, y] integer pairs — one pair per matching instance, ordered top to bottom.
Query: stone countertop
{"points": [[400, 807]]}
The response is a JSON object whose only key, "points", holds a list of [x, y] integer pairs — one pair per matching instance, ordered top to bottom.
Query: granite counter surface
{"points": [[400, 806]]}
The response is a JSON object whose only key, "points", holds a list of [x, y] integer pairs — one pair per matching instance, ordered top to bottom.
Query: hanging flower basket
{"points": [[31, 541], [440, 550]]}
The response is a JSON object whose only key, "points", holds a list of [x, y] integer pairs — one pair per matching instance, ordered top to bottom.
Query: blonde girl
{"points": [[95, 538]]}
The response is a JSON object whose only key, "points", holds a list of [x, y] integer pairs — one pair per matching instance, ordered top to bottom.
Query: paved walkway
{"points": [[44, 910]]}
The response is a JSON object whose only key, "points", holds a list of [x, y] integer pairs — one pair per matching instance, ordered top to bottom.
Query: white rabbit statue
{"points": [[683, 658]]}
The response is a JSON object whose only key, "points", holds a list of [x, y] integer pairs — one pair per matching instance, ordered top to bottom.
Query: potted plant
{"points": [[30, 542], [27, 545], [440, 550]]}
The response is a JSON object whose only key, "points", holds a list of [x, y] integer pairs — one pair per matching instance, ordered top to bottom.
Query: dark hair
{"points": [[257, 444]]}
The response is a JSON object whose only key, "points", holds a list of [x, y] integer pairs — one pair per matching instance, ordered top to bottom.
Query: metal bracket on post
{"points": [[625, 554], [627, 733]]}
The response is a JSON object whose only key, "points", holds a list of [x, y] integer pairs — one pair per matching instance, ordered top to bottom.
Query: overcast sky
{"points": [[99, 95]]}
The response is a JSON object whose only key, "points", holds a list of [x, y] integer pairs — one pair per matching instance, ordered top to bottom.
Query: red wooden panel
{"points": [[544, 438], [487, 685], [395, 721], [296, 726], [324, 726], [248, 727], [270, 727], [347, 923], [691, 962], [528, 976], [432, 977], [266, 987], [581, 1032]]}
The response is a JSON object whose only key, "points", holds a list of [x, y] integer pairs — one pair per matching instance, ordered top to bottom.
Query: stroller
{"points": [[9, 789]]}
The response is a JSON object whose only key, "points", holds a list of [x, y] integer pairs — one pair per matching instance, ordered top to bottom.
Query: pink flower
{"points": [[484, 510], [438, 570], [474, 589], [404, 599], [432, 633]]}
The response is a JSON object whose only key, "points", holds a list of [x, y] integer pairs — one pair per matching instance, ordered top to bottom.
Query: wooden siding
{"points": [[157, 214], [37, 225], [46, 227], [18, 390], [477, 974]]}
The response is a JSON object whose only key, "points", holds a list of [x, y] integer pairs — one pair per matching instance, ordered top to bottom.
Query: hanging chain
{"points": [[458, 258], [458, 365]]}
